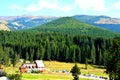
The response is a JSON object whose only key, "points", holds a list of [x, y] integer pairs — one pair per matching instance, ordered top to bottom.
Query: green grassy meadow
{"points": [[52, 67]]}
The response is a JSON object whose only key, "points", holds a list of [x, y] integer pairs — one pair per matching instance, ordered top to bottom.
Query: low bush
{"points": [[33, 71], [14, 77]]}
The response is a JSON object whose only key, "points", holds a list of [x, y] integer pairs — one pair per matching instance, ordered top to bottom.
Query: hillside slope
{"points": [[25, 21], [28, 21], [109, 23], [68, 25], [3, 26]]}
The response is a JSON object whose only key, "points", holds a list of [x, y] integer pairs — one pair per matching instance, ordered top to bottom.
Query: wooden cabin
{"points": [[38, 65]]}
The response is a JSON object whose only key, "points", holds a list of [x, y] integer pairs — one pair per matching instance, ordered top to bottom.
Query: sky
{"points": [[60, 7]]}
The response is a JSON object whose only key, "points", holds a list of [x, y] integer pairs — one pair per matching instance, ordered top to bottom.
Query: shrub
{"points": [[33, 71], [14, 77]]}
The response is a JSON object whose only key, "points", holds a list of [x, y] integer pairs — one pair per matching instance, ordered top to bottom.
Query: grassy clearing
{"points": [[52, 67], [46, 77]]}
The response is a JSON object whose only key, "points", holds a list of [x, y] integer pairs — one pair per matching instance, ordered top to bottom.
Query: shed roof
{"points": [[39, 63]]}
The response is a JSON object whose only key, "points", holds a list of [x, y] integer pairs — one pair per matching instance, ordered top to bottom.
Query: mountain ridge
{"points": [[25, 21], [28, 21], [106, 22], [69, 25], [3, 26]]}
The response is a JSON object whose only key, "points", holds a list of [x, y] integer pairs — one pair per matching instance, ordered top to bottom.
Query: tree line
{"points": [[53, 46]]}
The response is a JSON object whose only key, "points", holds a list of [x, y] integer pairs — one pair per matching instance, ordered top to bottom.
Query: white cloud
{"points": [[48, 4], [40, 5], [96, 5], [117, 5], [32, 8], [66, 8]]}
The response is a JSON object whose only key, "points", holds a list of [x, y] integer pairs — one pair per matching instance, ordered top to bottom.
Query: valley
{"points": [[61, 42], [52, 74]]}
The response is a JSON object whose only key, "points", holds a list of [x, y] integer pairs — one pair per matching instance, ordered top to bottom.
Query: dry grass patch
{"points": [[53, 66]]}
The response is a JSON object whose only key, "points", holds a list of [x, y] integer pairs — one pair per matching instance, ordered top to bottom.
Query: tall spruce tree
{"points": [[42, 51], [15, 59], [113, 64], [75, 72]]}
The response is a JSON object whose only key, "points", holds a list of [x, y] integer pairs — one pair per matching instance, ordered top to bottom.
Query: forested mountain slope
{"points": [[68, 25], [65, 39], [60, 47]]}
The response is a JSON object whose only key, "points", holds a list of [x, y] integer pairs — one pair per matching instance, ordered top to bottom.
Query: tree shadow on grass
{"points": [[98, 66]]}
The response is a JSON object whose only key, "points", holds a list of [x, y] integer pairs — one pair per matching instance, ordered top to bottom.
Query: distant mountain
{"points": [[25, 21], [28, 21], [112, 24], [69, 25], [3, 26]]}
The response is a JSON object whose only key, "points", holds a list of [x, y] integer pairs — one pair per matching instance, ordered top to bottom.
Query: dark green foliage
{"points": [[87, 18], [68, 25], [60, 40], [60, 47], [15, 59], [86, 62], [113, 64], [36, 71], [75, 72], [14, 76]]}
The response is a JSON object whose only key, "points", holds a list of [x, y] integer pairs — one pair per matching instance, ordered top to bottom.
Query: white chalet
{"points": [[38, 65]]}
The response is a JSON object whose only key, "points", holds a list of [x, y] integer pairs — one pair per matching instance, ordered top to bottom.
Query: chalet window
{"points": [[32, 66]]}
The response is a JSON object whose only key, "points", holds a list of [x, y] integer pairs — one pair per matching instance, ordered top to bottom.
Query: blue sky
{"points": [[60, 7]]}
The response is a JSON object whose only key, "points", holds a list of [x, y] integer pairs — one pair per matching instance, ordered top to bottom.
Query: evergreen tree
{"points": [[41, 52], [31, 54], [67, 54], [73, 54], [78, 54], [1, 55], [47, 55], [26, 56], [37, 56], [92, 56], [105, 57], [15, 59], [86, 62], [113, 64], [75, 72]]}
